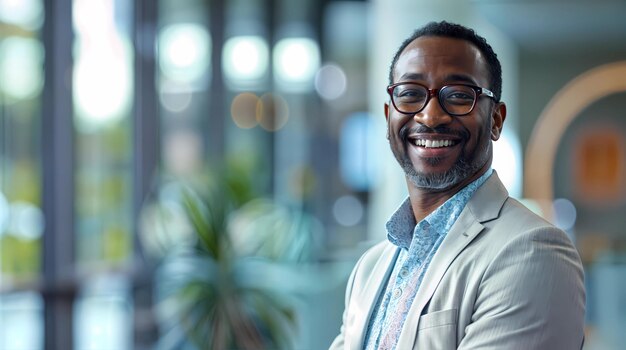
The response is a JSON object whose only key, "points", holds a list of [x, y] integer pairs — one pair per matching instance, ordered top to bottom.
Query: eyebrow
{"points": [[411, 76], [452, 77], [462, 78]]}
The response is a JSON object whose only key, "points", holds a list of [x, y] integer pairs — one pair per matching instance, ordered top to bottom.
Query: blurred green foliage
{"points": [[26, 184], [116, 244], [20, 258], [224, 289]]}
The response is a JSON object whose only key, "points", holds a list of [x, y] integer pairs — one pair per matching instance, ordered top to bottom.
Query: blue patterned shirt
{"points": [[418, 244]]}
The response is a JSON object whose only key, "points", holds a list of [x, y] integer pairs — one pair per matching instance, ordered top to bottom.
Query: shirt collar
{"points": [[401, 227]]}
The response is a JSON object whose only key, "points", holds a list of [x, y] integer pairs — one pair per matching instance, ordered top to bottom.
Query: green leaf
{"points": [[204, 224]]}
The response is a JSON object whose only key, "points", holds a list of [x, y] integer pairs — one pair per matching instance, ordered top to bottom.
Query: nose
{"points": [[433, 114]]}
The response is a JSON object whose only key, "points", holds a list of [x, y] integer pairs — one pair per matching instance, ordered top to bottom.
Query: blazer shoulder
{"points": [[493, 208], [515, 214], [516, 224]]}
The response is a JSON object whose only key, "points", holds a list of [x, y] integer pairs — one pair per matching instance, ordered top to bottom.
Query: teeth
{"points": [[433, 143]]}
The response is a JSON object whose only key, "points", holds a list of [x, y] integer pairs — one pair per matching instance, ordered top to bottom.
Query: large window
{"points": [[21, 82], [102, 99], [104, 102], [21, 217]]}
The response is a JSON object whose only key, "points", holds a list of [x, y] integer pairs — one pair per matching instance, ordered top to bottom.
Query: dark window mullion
{"points": [[146, 148], [58, 176]]}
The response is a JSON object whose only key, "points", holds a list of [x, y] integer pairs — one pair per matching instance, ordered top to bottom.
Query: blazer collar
{"points": [[488, 199], [484, 206]]}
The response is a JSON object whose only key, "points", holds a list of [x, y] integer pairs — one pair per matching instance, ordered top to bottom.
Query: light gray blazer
{"points": [[503, 278]]}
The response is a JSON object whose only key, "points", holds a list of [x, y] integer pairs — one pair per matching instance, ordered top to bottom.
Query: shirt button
{"points": [[404, 272], [397, 293]]}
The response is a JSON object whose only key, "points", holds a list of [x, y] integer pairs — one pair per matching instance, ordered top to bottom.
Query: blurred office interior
{"points": [[109, 107]]}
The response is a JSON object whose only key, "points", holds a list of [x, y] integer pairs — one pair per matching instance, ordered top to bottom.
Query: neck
{"points": [[424, 200]]}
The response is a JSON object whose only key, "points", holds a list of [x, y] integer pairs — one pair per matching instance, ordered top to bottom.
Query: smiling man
{"points": [[464, 265]]}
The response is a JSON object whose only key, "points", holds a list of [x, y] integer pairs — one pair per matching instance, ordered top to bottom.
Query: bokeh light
{"points": [[24, 13], [92, 18], [184, 52], [245, 59], [295, 62], [21, 67], [103, 69], [330, 82], [103, 87], [175, 97], [243, 110], [272, 112], [348, 210], [564, 214], [26, 220], [164, 224]]}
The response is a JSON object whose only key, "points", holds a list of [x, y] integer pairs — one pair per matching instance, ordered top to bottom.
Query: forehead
{"points": [[435, 59]]}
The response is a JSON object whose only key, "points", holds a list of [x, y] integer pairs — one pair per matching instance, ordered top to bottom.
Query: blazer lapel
{"points": [[484, 206], [368, 297]]}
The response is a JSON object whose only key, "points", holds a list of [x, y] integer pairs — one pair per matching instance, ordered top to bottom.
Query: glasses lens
{"points": [[409, 98], [457, 99]]}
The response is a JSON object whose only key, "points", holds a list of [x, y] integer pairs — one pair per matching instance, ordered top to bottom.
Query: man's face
{"points": [[435, 62]]}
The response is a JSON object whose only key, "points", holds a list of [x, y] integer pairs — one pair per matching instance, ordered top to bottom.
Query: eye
{"points": [[410, 94], [458, 95]]}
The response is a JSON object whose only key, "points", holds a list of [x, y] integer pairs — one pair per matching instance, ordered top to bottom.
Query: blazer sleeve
{"points": [[531, 296]]}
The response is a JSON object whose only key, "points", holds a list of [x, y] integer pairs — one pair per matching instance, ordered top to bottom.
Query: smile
{"points": [[433, 143]]}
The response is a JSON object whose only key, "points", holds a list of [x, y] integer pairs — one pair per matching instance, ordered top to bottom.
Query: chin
{"points": [[440, 180], [435, 181]]}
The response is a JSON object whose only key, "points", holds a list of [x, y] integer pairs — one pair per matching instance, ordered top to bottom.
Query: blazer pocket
{"points": [[437, 330]]}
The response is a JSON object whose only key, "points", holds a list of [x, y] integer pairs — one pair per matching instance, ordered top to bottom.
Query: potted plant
{"points": [[219, 282]]}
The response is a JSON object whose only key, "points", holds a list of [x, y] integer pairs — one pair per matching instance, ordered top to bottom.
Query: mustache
{"points": [[405, 131]]}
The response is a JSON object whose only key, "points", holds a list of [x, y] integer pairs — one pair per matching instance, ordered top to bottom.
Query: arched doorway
{"points": [[554, 120]]}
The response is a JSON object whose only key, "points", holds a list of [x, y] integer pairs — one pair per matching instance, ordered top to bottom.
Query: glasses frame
{"points": [[431, 92]]}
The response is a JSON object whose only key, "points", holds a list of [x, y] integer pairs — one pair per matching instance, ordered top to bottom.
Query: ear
{"points": [[387, 111], [387, 118], [497, 118]]}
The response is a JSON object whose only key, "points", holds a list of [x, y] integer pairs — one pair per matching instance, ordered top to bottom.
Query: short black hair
{"points": [[457, 31]]}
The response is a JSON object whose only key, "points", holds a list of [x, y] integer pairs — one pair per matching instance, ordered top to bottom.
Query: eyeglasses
{"points": [[455, 99]]}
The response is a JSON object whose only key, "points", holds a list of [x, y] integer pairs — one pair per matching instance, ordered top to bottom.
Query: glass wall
{"points": [[21, 82], [183, 82], [103, 86], [21, 217]]}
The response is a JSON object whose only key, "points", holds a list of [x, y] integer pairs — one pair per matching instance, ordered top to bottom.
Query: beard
{"points": [[464, 167]]}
